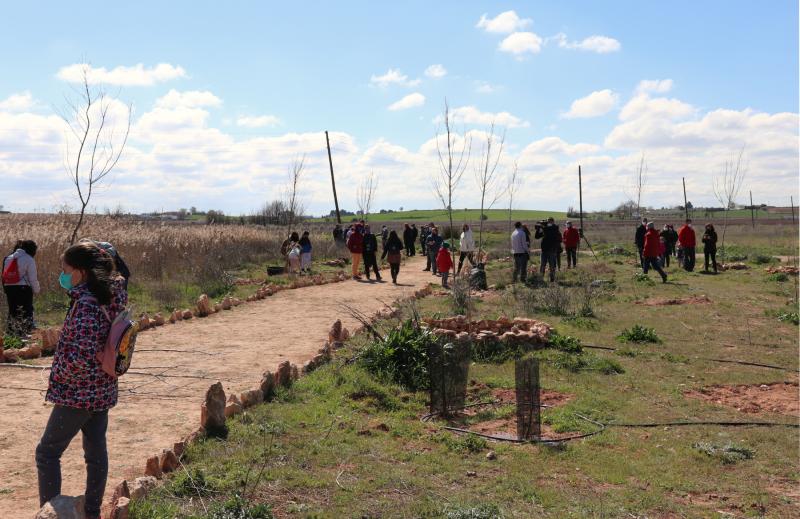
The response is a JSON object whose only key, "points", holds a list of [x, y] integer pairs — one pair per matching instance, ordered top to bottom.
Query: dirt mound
{"points": [[660, 301], [780, 397]]}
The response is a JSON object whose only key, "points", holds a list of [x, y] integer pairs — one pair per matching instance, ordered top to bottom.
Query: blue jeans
{"points": [[520, 267]]}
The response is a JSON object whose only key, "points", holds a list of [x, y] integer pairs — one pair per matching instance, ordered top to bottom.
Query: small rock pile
{"points": [[339, 262], [792, 271], [519, 329]]}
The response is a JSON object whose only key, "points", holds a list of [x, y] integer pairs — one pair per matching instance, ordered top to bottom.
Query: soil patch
{"points": [[660, 301], [780, 397]]}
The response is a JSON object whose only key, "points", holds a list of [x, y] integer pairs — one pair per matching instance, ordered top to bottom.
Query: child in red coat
{"points": [[444, 263]]}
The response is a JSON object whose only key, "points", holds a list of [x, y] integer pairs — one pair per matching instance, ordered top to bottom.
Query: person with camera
{"points": [[548, 232]]}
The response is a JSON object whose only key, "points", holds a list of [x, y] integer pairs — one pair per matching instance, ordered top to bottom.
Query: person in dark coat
{"points": [[641, 230], [425, 231], [414, 238], [670, 238], [408, 240], [551, 241], [355, 244], [432, 245], [710, 246], [651, 251], [392, 252], [370, 253]]}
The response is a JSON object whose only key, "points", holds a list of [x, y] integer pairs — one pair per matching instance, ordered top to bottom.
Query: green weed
{"points": [[640, 334], [402, 357], [728, 453], [486, 511]]}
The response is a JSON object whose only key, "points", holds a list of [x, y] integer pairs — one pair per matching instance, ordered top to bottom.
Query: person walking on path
{"points": [[641, 230], [669, 236], [572, 238], [408, 240], [551, 241], [688, 241], [423, 242], [355, 244], [433, 244], [710, 247], [466, 248], [652, 250], [520, 251], [392, 252], [305, 253], [370, 253], [444, 262], [20, 283], [81, 391]]}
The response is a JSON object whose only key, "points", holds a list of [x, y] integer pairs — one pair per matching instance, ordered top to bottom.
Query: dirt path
{"points": [[237, 347]]}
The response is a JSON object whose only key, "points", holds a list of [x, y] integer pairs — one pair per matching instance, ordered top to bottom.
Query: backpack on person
{"points": [[11, 273], [117, 354]]}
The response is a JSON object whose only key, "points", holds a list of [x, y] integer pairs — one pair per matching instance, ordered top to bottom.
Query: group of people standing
{"points": [[553, 244], [657, 248], [95, 278]]}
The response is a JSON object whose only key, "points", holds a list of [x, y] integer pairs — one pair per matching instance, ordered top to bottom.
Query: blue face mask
{"points": [[65, 280]]}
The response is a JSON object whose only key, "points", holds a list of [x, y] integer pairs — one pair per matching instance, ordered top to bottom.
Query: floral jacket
{"points": [[76, 377]]}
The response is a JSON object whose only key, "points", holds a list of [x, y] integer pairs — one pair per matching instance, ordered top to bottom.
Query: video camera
{"points": [[540, 224]]}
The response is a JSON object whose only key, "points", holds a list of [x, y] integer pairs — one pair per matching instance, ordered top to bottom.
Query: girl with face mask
{"points": [[81, 391]]}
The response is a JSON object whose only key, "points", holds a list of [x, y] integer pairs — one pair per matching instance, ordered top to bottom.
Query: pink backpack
{"points": [[117, 354]]}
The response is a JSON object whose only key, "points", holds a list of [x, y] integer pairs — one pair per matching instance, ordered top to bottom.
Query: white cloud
{"points": [[503, 23], [521, 43], [597, 43], [436, 71], [137, 75], [393, 77], [656, 86], [484, 87], [188, 99], [409, 101], [17, 102], [594, 105], [642, 106], [472, 115], [257, 121], [557, 146]]}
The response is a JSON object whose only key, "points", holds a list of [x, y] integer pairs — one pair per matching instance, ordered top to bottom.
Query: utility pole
{"points": [[333, 181], [791, 201], [685, 203], [580, 209], [752, 210]]}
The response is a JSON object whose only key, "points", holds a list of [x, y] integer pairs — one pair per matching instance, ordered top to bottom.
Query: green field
{"points": [[460, 215]]}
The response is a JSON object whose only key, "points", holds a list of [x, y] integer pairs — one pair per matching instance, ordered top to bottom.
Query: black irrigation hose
{"points": [[711, 359], [704, 422]]}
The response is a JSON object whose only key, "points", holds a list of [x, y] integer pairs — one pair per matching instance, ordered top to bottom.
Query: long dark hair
{"points": [[29, 246], [98, 266]]}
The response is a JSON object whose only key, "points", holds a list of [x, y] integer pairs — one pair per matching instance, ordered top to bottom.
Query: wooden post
{"points": [[333, 181], [580, 198], [791, 201], [685, 202], [752, 211]]}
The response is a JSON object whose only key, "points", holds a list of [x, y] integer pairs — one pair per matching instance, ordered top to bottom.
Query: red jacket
{"points": [[686, 237], [571, 238], [355, 243], [652, 244], [443, 260]]}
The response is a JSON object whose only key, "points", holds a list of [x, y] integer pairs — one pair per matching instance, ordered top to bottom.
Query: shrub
{"points": [[762, 259], [780, 277], [644, 279], [460, 294], [552, 299], [789, 317], [580, 322], [640, 334], [12, 342], [565, 343], [497, 352], [402, 357], [587, 362], [463, 443], [728, 453], [194, 483], [238, 508]]}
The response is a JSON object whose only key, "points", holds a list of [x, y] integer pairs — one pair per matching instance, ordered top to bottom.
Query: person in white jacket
{"points": [[467, 248], [20, 283]]}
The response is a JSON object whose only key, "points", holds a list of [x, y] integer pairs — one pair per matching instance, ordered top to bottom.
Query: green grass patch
{"points": [[640, 334]]}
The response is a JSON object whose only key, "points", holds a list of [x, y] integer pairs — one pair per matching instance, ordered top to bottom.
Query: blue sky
{"points": [[281, 73]]}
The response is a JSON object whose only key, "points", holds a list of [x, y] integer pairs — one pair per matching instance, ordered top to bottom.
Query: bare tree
{"points": [[95, 142], [453, 160], [486, 175], [638, 184], [512, 186], [726, 187], [365, 194], [292, 202]]}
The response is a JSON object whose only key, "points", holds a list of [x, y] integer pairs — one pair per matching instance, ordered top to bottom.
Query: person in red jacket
{"points": [[572, 239], [687, 241], [355, 244], [652, 251], [444, 262]]}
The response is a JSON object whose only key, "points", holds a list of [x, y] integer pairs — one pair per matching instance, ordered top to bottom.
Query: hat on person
{"points": [[651, 225], [446, 245]]}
